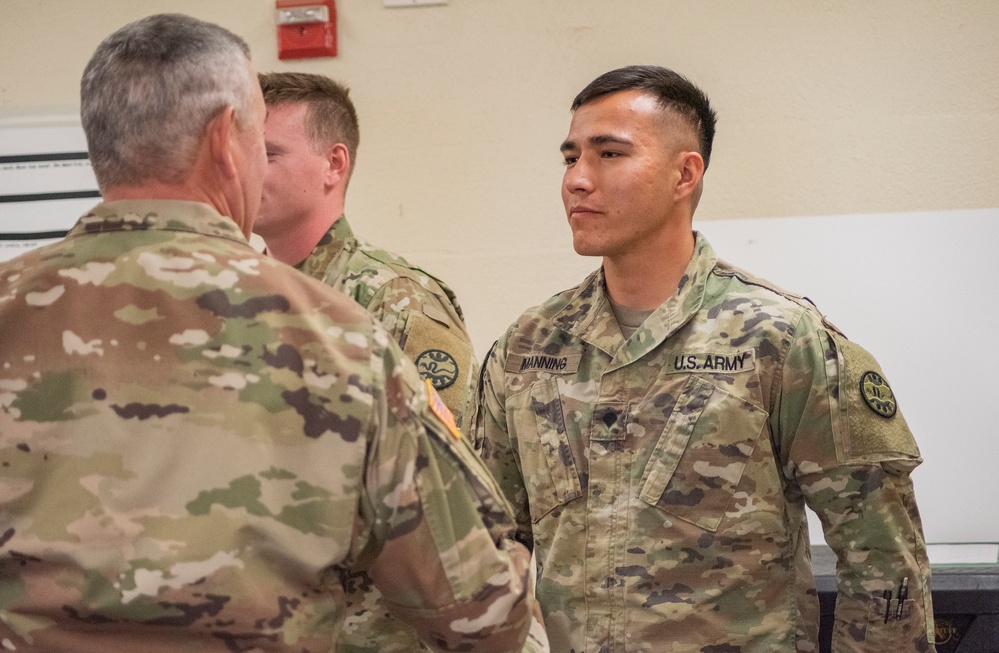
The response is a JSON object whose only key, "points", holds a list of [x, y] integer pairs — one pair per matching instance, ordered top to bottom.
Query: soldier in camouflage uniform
{"points": [[312, 137], [660, 428], [198, 444]]}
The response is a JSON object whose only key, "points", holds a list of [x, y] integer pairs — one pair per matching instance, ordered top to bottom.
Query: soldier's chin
{"points": [[585, 248]]}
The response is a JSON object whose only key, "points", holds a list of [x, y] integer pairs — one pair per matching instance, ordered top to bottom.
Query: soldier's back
{"points": [[183, 428]]}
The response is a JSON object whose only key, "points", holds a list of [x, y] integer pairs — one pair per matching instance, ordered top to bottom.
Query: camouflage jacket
{"points": [[419, 310], [424, 317], [198, 443], [662, 480]]}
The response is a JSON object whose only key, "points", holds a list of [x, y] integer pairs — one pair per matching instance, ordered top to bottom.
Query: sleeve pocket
{"points": [[863, 623]]}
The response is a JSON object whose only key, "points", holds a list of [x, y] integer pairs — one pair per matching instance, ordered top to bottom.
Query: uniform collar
{"points": [[163, 215], [340, 231], [336, 239], [589, 317]]}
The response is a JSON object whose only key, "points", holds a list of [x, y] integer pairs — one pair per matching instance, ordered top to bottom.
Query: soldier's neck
{"points": [[293, 245], [643, 279]]}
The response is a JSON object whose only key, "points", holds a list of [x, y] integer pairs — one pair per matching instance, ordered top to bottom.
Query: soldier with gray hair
{"points": [[661, 428], [199, 443]]}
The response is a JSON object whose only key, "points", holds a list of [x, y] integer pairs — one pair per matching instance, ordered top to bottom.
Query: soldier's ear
{"points": [[221, 141], [338, 158], [691, 166]]}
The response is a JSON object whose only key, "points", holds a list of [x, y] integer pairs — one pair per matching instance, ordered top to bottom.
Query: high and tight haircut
{"points": [[149, 92], [675, 94], [330, 117]]}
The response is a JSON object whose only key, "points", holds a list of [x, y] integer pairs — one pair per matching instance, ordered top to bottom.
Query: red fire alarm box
{"points": [[306, 28]]}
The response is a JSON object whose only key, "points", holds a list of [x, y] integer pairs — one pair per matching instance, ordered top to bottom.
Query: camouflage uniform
{"points": [[418, 309], [424, 317], [198, 443], [662, 480]]}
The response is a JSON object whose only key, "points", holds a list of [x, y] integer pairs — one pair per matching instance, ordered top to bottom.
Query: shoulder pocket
{"points": [[437, 314], [702, 453]]}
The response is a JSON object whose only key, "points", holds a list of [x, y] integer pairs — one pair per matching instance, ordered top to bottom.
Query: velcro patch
{"points": [[441, 356], [727, 363], [558, 364], [878, 394], [440, 409], [874, 425]]}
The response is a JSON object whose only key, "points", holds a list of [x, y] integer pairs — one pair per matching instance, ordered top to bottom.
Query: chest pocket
{"points": [[702, 453], [546, 459]]}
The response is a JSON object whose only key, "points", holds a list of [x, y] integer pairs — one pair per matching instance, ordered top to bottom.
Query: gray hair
{"points": [[150, 90]]}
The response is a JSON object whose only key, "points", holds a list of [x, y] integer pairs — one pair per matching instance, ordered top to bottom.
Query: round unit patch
{"points": [[438, 367], [877, 394]]}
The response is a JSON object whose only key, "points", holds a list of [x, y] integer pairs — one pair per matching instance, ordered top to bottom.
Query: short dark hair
{"points": [[675, 93], [330, 117]]}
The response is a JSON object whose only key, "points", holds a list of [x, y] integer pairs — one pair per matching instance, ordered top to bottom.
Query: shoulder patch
{"points": [[442, 356], [438, 367], [877, 394], [440, 409], [874, 425]]}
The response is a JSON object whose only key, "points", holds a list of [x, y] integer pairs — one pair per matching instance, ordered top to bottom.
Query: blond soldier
{"points": [[312, 138], [660, 428], [198, 444]]}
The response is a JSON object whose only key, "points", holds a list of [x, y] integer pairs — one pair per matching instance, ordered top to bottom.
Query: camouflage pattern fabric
{"points": [[420, 311], [424, 317], [198, 444], [662, 480]]}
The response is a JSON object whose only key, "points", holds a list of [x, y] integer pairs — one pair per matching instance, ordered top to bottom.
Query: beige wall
{"points": [[825, 108]]}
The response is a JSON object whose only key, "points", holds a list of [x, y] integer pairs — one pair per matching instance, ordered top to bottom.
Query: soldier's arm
{"points": [[433, 336], [487, 428], [495, 443], [849, 451], [439, 565]]}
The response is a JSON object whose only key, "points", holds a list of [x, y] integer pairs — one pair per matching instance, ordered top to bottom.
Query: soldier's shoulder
{"points": [[52, 253], [378, 257], [377, 268], [402, 268], [370, 269], [755, 285], [304, 290], [539, 319]]}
